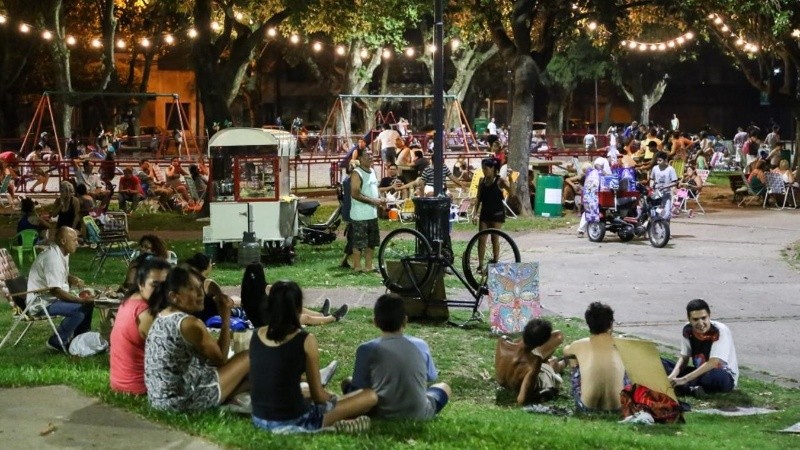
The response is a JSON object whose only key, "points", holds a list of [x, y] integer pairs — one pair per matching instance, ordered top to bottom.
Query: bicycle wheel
{"points": [[404, 261], [475, 271]]}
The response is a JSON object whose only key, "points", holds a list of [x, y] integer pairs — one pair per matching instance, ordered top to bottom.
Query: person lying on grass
{"points": [[254, 293], [133, 321], [280, 353], [525, 365], [397, 367], [185, 369], [599, 375]]}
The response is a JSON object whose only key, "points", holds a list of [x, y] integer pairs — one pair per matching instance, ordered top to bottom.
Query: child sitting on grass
{"points": [[280, 353], [397, 367]]}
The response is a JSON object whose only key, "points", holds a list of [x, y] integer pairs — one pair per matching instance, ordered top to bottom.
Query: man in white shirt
{"points": [[675, 123], [491, 128], [387, 138], [590, 141], [663, 178], [50, 271], [708, 345]]}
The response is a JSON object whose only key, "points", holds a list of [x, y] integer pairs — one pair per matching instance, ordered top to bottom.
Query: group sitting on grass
{"points": [[161, 348], [598, 374]]}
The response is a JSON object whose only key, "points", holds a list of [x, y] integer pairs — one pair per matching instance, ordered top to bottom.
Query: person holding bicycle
{"points": [[489, 210]]}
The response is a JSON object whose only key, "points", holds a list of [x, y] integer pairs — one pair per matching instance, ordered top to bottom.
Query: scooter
{"points": [[629, 218], [318, 233]]}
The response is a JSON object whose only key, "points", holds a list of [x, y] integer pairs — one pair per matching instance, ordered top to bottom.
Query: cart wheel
{"points": [[596, 231], [401, 251], [476, 271]]}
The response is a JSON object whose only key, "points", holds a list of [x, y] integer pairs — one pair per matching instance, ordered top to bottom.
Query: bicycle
{"points": [[407, 261]]}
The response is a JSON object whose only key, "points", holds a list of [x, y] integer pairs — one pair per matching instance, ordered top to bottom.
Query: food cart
{"points": [[250, 204]]}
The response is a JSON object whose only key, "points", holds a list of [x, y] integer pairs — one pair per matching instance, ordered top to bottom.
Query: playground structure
{"points": [[44, 110], [462, 138]]}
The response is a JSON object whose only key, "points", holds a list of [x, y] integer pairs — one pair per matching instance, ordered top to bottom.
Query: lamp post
{"points": [[438, 96]]}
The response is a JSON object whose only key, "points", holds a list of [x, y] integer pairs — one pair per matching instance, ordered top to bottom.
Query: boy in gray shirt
{"points": [[397, 367]]}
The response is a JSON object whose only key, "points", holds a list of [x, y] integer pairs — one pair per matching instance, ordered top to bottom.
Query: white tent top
{"points": [[241, 136]]}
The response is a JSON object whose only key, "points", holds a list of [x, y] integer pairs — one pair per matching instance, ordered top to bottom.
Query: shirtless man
{"points": [[526, 366], [598, 377]]}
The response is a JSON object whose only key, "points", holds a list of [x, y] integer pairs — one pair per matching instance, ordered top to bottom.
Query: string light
{"points": [[724, 29], [192, 33], [796, 33], [659, 46]]}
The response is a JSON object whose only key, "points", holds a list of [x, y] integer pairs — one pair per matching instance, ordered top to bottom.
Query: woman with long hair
{"points": [[67, 207], [489, 209], [150, 246], [254, 293], [133, 321], [280, 353], [186, 369]]}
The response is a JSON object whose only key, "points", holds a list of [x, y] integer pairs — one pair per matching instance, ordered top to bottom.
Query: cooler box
{"points": [[548, 195]]}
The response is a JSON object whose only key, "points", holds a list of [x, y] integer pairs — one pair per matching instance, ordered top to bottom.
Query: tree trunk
{"points": [[356, 77], [525, 77], [555, 115]]}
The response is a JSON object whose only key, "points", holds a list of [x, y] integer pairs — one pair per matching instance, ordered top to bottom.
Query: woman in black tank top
{"points": [[489, 208], [280, 353]]}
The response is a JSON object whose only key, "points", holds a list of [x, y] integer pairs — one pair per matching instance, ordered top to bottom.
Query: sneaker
{"points": [[691, 213], [581, 234], [326, 307], [340, 313], [55, 346], [326, 373], [641, 417], [357, 425]]}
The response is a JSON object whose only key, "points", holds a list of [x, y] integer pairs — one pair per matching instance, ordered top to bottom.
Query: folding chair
{"points": [[513, 179], [777, 188], [752, 193], [5, 196], [465, 209], [407, 212], [111, 241], [24, 242], [14, 288]]}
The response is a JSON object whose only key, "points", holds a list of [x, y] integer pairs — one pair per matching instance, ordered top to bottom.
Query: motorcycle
{"points": [[632, 214], [318, 233]]}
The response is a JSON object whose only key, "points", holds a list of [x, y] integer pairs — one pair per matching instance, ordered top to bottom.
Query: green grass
{"points": [[480, 415]]}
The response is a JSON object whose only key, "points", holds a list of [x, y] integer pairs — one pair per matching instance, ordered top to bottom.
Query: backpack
{"points": [[663, 408]]}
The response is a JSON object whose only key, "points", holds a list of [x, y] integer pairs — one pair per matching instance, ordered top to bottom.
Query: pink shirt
{"points": [[126, 356]]}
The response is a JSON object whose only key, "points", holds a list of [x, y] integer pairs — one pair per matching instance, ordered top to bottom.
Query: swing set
{"points": [[44, 110], [454, 114]]}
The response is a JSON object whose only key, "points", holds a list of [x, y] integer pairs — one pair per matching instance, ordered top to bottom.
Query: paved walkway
{"points": [[51, 417]]}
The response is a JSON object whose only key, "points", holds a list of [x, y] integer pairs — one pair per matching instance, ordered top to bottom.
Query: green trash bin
{"points": [[479, 126], [548, 196]]}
